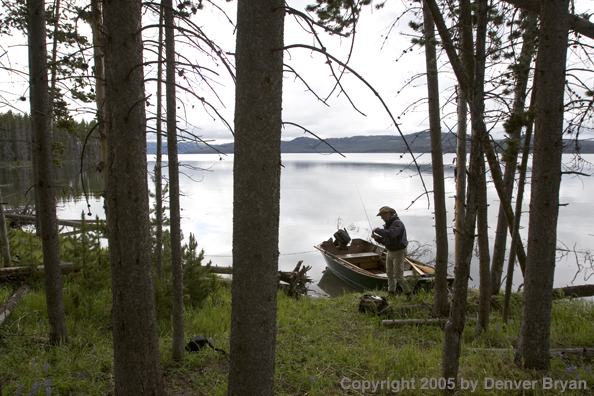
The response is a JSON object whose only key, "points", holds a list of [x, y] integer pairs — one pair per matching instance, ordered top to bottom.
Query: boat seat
{"points": [[364, 260]]}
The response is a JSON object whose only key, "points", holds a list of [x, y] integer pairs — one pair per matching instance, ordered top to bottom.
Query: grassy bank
{"points": [[320, 343]]}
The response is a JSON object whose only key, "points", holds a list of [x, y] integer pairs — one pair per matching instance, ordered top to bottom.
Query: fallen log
{"points": [[31, 219], [65, 268], [221, 270], [297, 280], [574, 291], [11, 302], [559, 353]]}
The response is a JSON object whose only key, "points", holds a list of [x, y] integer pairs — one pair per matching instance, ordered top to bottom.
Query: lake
{"points": [[321, 193]]}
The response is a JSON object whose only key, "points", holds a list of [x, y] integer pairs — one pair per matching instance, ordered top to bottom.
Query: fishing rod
{"points": [[365, 210]]}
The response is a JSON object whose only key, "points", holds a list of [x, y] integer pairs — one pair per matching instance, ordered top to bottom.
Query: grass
{"points": [[319, 344]]}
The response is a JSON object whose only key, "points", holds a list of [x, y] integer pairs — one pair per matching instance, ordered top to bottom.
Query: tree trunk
{"points": [[467, 60], [54, 68], [99, 70], [464, 79], [549, 85], [41, 120], [514, 128], [158, 163], [460, 173], [256, 196], [174, 208], [482, 225], [516, 226], [441, 227], [4, 236], [456, 322], [137, 368]]}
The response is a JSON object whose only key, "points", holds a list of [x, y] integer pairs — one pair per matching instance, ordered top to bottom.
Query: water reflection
{"points": [[18, 181], [320, 193], [71, 199], [333, 285]]}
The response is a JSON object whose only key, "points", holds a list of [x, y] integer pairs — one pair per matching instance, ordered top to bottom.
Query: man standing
{"points": [[393, 237]]}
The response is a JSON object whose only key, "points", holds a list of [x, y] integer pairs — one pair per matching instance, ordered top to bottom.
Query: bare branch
{"points": [[297, 75], [372, 90], [313, 134]]}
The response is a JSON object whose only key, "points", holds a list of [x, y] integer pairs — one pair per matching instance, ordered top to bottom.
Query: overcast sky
{"points": [[382, 36], [376, 57]]}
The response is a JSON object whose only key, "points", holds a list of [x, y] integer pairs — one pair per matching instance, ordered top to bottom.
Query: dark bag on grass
{"points": [[374, 304], [197, 343]]}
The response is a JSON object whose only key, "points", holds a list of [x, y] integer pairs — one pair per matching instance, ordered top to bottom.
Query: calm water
{"points": [[320, 193]]}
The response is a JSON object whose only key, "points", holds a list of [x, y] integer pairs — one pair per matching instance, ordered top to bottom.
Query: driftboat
{"points": [[362, 265]]}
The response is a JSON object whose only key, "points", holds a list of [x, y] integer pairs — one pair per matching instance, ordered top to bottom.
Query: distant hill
{"points": [[419, 142]]}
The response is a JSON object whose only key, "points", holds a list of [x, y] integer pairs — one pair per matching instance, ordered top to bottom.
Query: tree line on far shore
{"points": [[67, 138]]}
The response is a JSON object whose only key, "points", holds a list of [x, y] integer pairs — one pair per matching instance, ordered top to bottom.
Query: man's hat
{"points": [[386, 209]]}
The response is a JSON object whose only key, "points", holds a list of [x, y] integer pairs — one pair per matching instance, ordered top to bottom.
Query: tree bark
{"points": [[54, 54], [467, 63], [99, 70], [549, 85], [41, 121], [514, 128], [158, 163], [460, 173], [256, 196], [482, 225], [516, 226], [441, 227], [456, 321], [177, 352], [137, 368]]}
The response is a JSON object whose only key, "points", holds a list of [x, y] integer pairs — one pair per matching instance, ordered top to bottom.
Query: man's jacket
{"points": [[393, 236]]}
